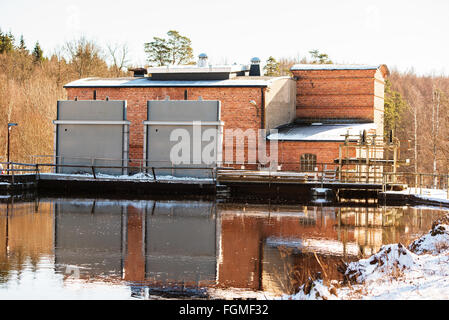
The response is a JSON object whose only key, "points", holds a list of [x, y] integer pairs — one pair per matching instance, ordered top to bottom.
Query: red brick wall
{"points": [[339, 94], [236, 111], [290, 153]]}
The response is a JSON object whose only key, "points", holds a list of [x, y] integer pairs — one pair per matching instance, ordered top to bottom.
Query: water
{"points": [[120, 249]]}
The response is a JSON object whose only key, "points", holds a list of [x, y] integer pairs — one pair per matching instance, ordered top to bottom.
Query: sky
{"points": [[404, 35]]}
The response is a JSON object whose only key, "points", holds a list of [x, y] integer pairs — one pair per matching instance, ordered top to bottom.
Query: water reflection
{"points": [[181, 248]]}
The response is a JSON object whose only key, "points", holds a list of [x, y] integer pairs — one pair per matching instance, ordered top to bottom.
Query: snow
{"points": [[334, 67], [197, 69], [146, 82], [324, 132], [139, 177], [321, 190], [432, 195], [319, 201], [434, 242], [391, 260], [420, 271], [314, 290], [238, 293]]}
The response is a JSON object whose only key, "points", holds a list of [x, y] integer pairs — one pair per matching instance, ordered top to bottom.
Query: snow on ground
{"points": [[139, 177], [425, 194], [434, 242], [391, 260], [420, 271], [314, 290], [237, 293]]}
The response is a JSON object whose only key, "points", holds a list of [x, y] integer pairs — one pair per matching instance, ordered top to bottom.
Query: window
{"points": [[308, 162]]}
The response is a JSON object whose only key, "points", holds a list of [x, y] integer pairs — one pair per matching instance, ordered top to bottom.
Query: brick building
{"points": [[331, 101], [311, 110]]}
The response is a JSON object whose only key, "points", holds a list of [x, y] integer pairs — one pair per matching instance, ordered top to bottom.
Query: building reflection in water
{"points": [[26, 237], [167, 245], [181, 247], [276, 249]]}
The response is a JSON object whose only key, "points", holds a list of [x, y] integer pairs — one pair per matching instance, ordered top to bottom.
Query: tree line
{"points": [[31, 82], [417, 109]]}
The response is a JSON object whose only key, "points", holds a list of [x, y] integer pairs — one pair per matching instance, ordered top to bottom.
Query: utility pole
{"points": [[436, 96], [10, 125], [415, 133]]}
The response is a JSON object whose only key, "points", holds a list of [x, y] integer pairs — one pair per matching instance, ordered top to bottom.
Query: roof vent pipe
{"points": [[202, 60], [255, 69], [139, 72]]}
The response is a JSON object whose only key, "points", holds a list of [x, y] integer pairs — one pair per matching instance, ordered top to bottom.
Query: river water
{"points": [[58, 248]]}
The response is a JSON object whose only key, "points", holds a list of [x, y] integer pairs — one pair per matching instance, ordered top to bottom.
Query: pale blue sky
{"points": [[399, 33]]}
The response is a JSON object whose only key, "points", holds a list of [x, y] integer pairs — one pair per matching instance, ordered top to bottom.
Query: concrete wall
{"points": [[379, 95], [280, 103], [164, 117], [78, 142]]}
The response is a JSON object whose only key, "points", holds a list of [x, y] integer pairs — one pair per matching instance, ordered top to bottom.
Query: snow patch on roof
{"points": [[334, 67], [197, 69], [147, 82], [320, 132]]}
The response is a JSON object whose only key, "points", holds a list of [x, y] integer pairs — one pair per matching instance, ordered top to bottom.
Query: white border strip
{"points": [[90, 122], [183, 123]]}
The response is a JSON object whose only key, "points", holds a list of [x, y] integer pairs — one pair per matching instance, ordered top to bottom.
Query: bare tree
{"points": [[118, 54], [86, 57], [436, 98], [427, 121], [415, 135]]}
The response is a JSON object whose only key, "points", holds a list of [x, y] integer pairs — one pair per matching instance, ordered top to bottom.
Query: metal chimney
{"points": [[202, 60], [255, 69], [139, 72]]}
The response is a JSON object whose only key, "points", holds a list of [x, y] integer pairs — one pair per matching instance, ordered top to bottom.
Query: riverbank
{"points": [[417, 196], [419, 271]]}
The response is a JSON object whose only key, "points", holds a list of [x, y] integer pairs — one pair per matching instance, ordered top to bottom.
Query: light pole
{"points": [[10, 125]]}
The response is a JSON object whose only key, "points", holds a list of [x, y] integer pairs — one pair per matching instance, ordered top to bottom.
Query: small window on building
{"points": [[308, 162]]}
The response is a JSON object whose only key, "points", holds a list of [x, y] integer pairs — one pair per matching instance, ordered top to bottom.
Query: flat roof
{"points": [[334, 67], [197, 69], [137, 82], [320, 132]]}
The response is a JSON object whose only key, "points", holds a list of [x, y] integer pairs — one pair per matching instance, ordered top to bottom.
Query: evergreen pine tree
{"points": [[6, 42], [22, 47], [175, 49], [38, 54], [320, 58], [272, 68], [394, 105]]}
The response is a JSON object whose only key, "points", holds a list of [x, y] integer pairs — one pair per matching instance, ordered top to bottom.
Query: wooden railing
{"points": [[11, 169], [416, 182]]}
